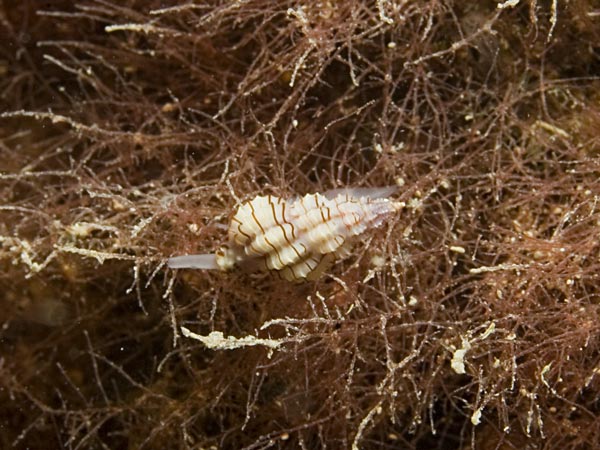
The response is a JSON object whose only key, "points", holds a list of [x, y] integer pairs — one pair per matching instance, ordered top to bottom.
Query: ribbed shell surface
{"points": [[302, 237]]}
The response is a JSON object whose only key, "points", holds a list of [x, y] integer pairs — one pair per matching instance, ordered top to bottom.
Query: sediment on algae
{"points": [[131, 130]]}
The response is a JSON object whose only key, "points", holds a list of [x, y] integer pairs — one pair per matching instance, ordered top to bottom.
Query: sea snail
{"points": [[298, 238]]}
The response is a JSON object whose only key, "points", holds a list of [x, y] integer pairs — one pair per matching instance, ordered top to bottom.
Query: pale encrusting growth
{"points": [[298, 238]]}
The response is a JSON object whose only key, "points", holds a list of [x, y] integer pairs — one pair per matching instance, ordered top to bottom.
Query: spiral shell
{"points": [[302, 237], [297, 238]]}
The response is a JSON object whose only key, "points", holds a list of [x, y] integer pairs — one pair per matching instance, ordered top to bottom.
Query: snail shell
{"points": [[298, 238]]}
